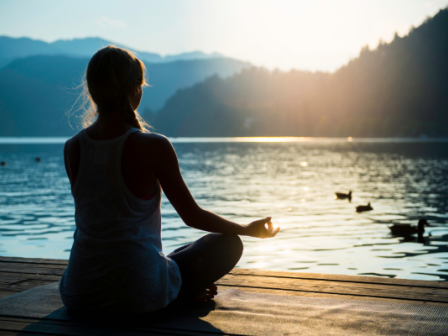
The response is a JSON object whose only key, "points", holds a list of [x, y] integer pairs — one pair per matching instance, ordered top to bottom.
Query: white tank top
{"points": [[116, 262]]}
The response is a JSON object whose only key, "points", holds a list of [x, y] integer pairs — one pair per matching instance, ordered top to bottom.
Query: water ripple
{"points": [[294, 182]]}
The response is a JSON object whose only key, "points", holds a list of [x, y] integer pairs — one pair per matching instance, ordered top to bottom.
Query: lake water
{"points": [[293, 180]]}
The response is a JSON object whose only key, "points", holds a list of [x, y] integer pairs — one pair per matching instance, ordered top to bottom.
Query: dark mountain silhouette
{"points": [[13, 48], [166, 78], [398, 89], [37, 91], [35, 94]]}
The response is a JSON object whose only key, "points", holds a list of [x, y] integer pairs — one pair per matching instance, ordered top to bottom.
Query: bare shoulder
{"points": [[149, 138], [153, 142], [71, 147], [71, 157]]}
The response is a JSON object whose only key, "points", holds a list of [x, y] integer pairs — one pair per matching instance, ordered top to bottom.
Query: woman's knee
{"points": [[228, 242], [237, 244], [233, 246]]}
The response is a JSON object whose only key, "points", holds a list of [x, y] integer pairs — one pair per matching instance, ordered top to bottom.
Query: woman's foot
{"points": [[206, 294]]}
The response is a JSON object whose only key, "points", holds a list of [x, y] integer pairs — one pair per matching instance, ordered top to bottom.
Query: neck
{"points": [[109, 126]]}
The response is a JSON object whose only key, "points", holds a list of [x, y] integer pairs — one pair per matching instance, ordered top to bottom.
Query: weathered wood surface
{"points": [[19, 274]]}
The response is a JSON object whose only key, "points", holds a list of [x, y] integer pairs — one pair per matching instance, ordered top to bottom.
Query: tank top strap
{"points": [[123, 139]]}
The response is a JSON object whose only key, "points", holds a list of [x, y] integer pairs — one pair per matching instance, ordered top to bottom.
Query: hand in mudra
{"points": [[262, 228]]}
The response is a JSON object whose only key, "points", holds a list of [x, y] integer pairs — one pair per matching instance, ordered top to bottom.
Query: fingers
{"points": [[268, 227], [262, 228], [274, 233]]}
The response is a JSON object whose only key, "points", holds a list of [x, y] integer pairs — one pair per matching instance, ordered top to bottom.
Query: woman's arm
{"points": [[71, 158], [167, 171]]}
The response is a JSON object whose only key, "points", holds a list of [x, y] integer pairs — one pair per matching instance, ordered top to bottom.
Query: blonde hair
{"points": [[110, 74]]}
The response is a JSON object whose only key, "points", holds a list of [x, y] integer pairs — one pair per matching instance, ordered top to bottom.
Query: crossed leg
{"points": [[203, 262]]}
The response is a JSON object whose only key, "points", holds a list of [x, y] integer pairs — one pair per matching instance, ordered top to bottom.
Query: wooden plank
{"points": [[34, 260], [9, 265], [24, 268], [265, 273], [18, 274], [24, 276], [338, 277], [4, 281], [12, 283], [23, 285], [335, 287], [6, 293], [331, 296], [58, 327], [18, 333]]}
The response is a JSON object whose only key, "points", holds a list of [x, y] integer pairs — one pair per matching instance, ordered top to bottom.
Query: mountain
{"points": [[13, 48], [188, 56], [166, 78], [398, 89], [37, 91], [35, 94]]}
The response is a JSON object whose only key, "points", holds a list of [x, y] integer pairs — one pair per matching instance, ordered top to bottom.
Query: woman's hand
{"points": [[162, 162], [262, 228]]}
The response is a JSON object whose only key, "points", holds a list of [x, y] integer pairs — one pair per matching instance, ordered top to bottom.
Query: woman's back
{"points": [[137, 160], [116, 173], [116, 261]]}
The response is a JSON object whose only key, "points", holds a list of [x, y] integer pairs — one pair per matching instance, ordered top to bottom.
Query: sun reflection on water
{"points": [[248, 181]]}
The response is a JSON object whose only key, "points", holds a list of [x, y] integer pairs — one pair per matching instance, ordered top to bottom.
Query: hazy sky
{"points": [[308, 34]]}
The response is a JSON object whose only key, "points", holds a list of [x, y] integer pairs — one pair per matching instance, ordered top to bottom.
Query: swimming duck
{"points": [[37, 159], [3, 163], [340, 195], [362, 208], [408, 229]]}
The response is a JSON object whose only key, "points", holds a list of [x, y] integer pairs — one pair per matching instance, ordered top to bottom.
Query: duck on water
{"points": [[341, 196], [362, 208], [408, 229]]}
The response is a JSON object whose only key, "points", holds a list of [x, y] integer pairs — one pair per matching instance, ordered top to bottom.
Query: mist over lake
{"points": [[292, 180]]}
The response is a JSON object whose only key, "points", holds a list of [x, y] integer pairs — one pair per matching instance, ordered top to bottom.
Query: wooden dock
{"points": [[20, 274]]}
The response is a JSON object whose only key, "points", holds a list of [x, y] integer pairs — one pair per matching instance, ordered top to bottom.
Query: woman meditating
{"points": [[117, 171]]}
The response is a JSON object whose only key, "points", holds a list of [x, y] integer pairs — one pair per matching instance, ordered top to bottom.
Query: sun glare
{"points": [[272, 139], [266, 248], [260, 264]]}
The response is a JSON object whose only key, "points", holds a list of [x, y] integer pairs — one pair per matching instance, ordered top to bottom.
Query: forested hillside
{"points": [[398, 89]]}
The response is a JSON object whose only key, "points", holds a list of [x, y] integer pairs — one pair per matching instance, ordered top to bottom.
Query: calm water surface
{"points": [[292, 181]]}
